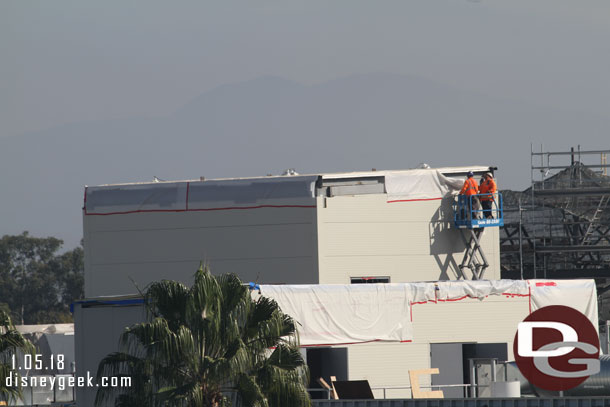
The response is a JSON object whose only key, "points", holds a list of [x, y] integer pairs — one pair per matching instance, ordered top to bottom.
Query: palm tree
{"points": [[12, 343], [202, 344]]}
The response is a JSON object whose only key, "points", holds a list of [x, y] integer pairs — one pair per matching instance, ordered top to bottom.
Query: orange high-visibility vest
{"points": [[470, 187], [488, 187]]}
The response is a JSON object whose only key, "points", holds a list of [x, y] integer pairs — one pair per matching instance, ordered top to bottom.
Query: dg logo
{"points": [[556, 348]]}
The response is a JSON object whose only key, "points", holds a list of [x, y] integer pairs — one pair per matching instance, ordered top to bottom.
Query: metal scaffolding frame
{"points": [[560, 226]]}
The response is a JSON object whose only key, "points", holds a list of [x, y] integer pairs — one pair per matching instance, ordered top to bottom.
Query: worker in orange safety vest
{"points": [[469, 189], [487, 189]]}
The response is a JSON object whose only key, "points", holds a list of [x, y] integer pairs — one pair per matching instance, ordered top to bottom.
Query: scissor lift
{"points": [[472, 220]]}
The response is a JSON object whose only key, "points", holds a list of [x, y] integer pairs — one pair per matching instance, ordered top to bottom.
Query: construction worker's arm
{"points": [[464, 188]]}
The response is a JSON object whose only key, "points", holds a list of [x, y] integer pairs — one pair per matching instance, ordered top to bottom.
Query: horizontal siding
{"points": [[350, 209], [184, 220], [409, 241], [234, 242], [268, 245], [400, 268], [491, 320]]}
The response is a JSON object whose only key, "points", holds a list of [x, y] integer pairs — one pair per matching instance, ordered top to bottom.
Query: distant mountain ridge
{"points": [[268, 124]]}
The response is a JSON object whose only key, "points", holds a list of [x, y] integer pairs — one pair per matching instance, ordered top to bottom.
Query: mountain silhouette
{"points": [[268, 124]]}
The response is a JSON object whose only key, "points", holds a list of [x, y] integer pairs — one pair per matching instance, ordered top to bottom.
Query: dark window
{"points": [[369, 280]]}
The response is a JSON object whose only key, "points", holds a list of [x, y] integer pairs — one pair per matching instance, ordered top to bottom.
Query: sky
{"points": [[65, 62]]}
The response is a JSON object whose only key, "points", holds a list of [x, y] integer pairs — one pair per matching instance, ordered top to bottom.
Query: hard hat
{"points": [[470, 174], [489, 174]]}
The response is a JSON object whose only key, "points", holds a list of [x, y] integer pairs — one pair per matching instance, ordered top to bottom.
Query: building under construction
{"points": [[560, 226]]}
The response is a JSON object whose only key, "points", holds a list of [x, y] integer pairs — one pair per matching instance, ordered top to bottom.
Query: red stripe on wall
{"points": [[415, 200], [197, 210]]}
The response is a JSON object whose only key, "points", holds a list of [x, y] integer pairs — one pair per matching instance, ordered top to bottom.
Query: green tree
{"points": [[36, 283], [11, 341], [204, 342]]}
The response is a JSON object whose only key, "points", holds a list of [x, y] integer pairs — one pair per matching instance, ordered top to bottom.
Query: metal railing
{"points": [[469, 212]]}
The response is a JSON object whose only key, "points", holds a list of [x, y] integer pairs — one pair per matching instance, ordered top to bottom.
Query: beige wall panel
{"points": [[376, 209], [179, 220], [376, 239], [408, 241], [128, 246], [154, 246], [400, 269], [116, 279], [493, 319], [388, 364]]}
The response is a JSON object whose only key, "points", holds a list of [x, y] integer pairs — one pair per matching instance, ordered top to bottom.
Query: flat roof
{"points": [[335, 175]]}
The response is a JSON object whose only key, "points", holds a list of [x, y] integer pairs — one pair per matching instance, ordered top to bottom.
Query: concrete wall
{"points": [[408, 241], [273, 245]]}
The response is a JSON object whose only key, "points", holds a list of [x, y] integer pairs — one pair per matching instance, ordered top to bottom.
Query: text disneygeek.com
{"points": [[64, 381]]}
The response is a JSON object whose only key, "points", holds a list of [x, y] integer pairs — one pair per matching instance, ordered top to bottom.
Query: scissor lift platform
{"points": [[472, 220]]}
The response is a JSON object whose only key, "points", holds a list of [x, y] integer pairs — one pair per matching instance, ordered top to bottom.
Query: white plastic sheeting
{"points": [[416, 185], [454, 290], [578, 294], [335, 314], [344, 314]]}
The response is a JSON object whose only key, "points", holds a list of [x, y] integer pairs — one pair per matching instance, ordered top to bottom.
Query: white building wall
{"points": [[365, 236], [268, 245], [492, 320], [387, 365]]}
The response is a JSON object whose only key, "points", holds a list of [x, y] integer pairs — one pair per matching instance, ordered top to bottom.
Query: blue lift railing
{"points": [[468, 212]]}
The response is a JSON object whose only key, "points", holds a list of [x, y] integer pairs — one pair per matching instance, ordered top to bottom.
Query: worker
{"points": [[487, 189], [468, 194]]}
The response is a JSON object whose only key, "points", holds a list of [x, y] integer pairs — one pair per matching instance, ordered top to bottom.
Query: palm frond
{"points": [[206, 338]]}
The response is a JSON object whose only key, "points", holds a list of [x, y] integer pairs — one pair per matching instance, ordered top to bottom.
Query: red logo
{"points": [[556, 348]]}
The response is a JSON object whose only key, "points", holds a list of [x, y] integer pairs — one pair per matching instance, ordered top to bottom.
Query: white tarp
{"points": [[419, 185], [452, 290], [578, 294], [355, 313], [340, 314]]}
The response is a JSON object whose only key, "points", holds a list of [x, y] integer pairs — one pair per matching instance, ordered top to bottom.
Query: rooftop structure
{"points": [[390, 226]]}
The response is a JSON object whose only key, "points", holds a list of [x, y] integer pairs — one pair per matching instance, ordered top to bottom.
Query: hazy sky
{"points": [[66, 61]]}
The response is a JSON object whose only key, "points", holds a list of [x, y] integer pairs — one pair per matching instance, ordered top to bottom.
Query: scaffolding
{"points": [[560, 226]]}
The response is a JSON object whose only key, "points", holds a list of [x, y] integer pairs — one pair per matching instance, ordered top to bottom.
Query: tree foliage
{"points": [[37, 284], [11, 341], [203, 343]]}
